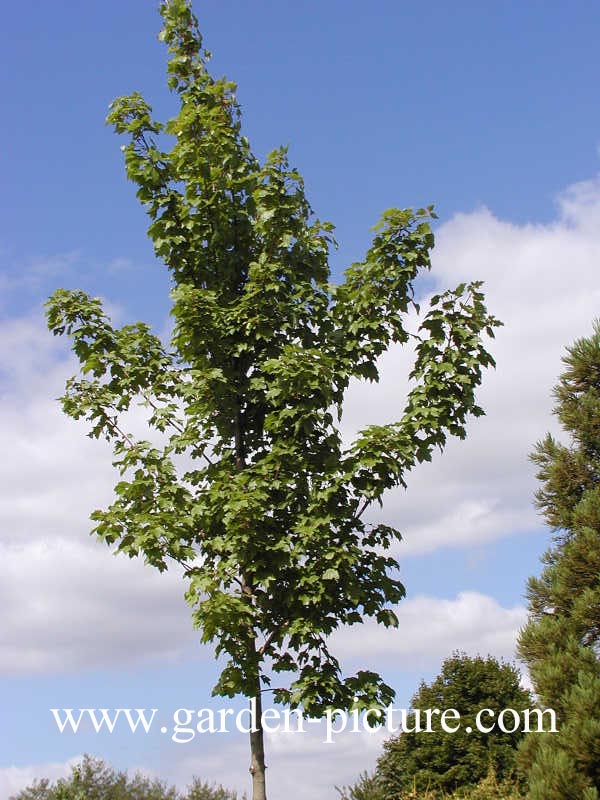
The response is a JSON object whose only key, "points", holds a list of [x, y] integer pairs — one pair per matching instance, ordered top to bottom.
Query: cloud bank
{"points": [[541, 280]]}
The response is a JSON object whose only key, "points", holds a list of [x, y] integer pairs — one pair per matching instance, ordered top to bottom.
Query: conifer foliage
{"points": [[250, 487], [561, 642], [440, 761]]}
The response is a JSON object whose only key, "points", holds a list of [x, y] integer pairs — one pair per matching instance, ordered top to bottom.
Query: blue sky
{"points": [[490, 111]]}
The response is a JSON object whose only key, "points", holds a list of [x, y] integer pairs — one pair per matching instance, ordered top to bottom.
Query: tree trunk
{"points": [[257, 745], [257, 752]]}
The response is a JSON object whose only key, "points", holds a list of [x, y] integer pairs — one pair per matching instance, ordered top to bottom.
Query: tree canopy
{"points": [[246, 480], [441, 761]]}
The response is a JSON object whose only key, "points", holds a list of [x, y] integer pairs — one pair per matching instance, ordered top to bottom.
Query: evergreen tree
{"points": [[561, 641], [441, 761]]}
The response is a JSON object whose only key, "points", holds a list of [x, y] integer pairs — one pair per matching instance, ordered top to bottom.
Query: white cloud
{"points": [[120, 264], [34, 275], [541, 281], [55, 475], [68, 603], [71, 605], [430, 628], [294, 759], [14, 779]]}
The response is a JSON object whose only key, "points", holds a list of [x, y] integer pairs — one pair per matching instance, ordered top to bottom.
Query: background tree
{"points": [[251, 488], [560, 643], [442, 761], [93, 779], [366, 787]]}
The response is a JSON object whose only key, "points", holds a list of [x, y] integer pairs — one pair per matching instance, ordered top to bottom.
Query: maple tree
{"points": [[252, 488]]}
